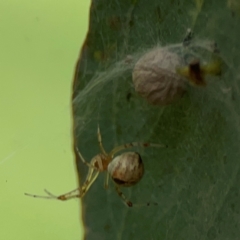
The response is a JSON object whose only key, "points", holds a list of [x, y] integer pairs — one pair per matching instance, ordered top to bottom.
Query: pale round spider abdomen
{"points": [[155, 78], [126, 169]]}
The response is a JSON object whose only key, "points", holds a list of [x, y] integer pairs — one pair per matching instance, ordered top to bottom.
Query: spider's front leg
{"points": [[88, 183], [67, 196]]}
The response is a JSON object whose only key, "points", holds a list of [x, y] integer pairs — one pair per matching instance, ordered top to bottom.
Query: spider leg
{"points": [[100, 141], [135, 144], [84, 161], [91, 177], [106, 181], [88, 183], [50, 194], [69, 195], [39, 196], [65, 196], [122, 196], [62, 197], [129, 203]]}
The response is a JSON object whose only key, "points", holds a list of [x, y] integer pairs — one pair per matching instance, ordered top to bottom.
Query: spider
{"points": [[125, 170]]}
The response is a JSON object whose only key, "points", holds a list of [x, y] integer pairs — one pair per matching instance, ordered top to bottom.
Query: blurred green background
{"points": [[39, 45]]}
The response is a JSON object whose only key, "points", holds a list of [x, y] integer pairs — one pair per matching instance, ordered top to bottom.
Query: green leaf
{"points": [[195, 181]]}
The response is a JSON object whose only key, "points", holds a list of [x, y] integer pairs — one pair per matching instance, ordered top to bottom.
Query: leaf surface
{"points": [[195, 181]]}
